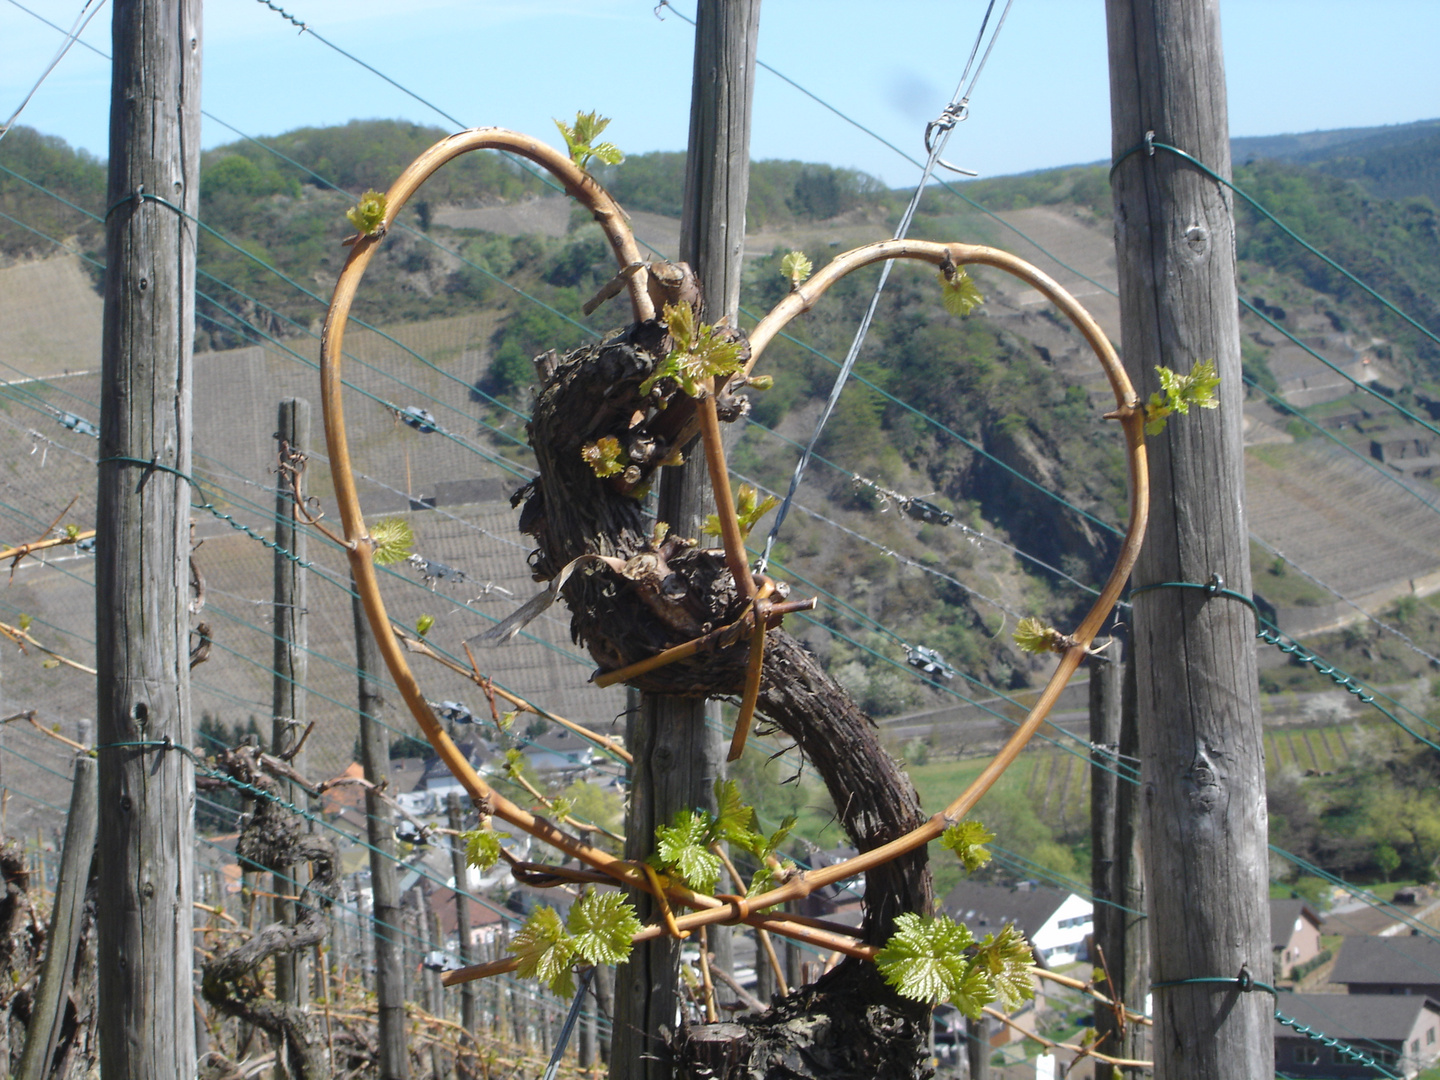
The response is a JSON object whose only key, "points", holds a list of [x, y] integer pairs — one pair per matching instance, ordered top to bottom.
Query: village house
{"points": [[1056, 922], [1294, 935], [1389, 965], [1401, 1034]]}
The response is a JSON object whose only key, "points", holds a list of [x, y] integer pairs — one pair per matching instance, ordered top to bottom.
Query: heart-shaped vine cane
{"points": [[670, 652]]}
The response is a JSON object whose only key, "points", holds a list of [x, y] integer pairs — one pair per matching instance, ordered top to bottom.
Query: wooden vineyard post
{"points": [[290, 666], [1105, 683], [678, 756], [1202, 762], [147, 791], [1116, 876], [462, 924], [1130, 930], [46, 1014], [977, 1047], [394, 1057]]}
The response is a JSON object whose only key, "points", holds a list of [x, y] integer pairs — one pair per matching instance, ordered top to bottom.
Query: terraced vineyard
{"points": [[1323, 749], [1057, 783]]}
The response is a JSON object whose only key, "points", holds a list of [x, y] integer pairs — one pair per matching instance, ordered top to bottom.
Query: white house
{"points": [[1055, 921]]}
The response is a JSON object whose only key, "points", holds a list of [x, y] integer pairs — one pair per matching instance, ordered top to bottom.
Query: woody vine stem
{"points": [[691, 416]]}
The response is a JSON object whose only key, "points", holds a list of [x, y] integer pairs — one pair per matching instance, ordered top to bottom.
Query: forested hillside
{"points": [[974, 415]]}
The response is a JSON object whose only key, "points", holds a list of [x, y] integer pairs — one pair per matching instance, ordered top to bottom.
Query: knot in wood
{"points": [[1204, 785]]}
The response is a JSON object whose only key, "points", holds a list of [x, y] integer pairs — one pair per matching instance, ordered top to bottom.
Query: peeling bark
{"points": [[671, 590]]}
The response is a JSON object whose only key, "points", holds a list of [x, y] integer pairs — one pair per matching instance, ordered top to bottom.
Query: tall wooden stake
{"points": [[290, 666], [1105, 682], [1197, 702], [677, 755], [147, 794], [1117, 878], [1130, 928], [43, 1031], [977, 1047], [394, 1063], [463, 1067]]}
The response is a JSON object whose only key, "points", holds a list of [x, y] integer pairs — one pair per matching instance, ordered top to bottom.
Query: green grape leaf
{"points": [[580, 140], [368, 214], [796, 267], [959, 293], [679, 319], [699, 353], [760, 382], [1197, 388], [1179, 392], [1156, 412], [605, 456], [749, 509], [71, 532], [393, 539], [25, 621], [423, 625], [1033, 636], [507, 719], [514, 761], [562, 808], [735, 822], [779, 836], [968, 839], [482, 848], [683, 849], [602, 926], [545, 951], [925, 958], [1005, 959], [973, 993]]}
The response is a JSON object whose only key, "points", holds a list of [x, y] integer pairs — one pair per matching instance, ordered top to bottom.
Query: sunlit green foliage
{"points": [[581, 136], [368, 214], [797, 267], [959, 292], [700, 352], [1178, 393], [605, 456], [749, 509], [393, 540], [1033, 636], [968, 839], [482, 848]]}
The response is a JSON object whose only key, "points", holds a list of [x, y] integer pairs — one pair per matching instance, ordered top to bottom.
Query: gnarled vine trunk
{"points": [[272, 838], [849, 1024]]}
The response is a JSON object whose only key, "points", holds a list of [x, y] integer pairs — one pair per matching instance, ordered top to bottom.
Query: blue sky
{"points": [[1042, 101]]}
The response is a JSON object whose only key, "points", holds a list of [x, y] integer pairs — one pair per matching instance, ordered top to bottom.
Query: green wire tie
{"points": [[1214, 587], [1272, 636]]}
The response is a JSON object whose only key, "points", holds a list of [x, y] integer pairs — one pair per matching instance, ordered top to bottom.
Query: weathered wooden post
{"points": [[290, 666], [1105, 693], [677, 755], [1202, 764], [147, 791], [1117, 879], [388, 919], [462, 925], [1130, 930], [46, 1014], [977, 1048]]}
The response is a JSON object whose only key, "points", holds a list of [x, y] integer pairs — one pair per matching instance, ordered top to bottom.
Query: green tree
{"points": [[1387, 859]]}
